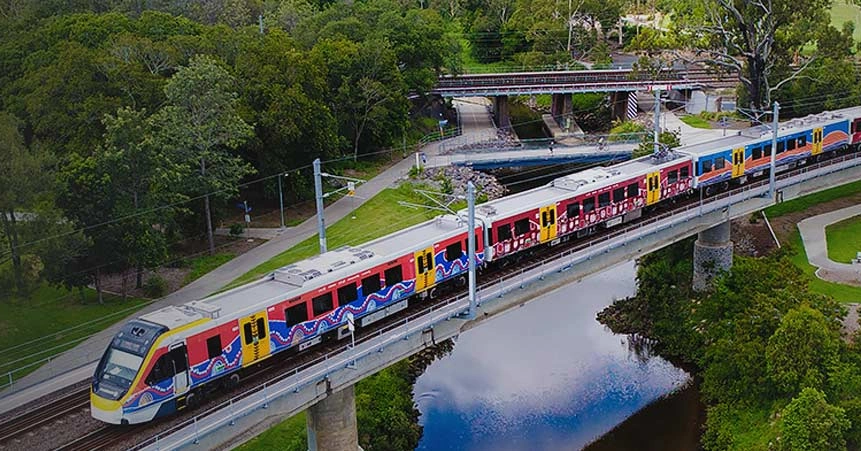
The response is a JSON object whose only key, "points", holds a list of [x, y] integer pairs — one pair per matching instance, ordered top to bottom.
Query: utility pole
{"points": [[260, 22], [657, 119], [774, 127], [318, 191], [281, 199], [470, 244]]}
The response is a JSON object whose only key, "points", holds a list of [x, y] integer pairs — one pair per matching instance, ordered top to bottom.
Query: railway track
{"points": [[282, 365]]}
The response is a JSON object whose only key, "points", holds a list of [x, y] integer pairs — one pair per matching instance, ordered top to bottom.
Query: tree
{"points": [[758, 39], [200, 124], [25, 179], [801, 350], [809, 423]]}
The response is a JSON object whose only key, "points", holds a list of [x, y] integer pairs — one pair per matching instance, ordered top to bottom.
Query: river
{"points": [[548, 376]]}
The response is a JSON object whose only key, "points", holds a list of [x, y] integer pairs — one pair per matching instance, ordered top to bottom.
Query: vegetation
{"points": [[695, 121], [627, 131], [805, 202], [844, 240], [798, 256], [204, 264], [775, 372]]}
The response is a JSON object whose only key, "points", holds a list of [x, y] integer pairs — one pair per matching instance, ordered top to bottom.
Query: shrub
{"points": [[236, 229], [155, 286]]}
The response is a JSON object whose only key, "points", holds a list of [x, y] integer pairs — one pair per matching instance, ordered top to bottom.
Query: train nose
{"points": [[105, 410]]}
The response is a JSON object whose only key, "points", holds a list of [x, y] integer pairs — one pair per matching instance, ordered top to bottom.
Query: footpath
{"points": [[815, 245], [78, 364]]}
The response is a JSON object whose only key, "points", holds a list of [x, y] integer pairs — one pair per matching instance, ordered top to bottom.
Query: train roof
{"points": [[306, 275]]}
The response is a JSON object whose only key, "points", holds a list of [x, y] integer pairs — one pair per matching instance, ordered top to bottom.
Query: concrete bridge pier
{"points": [[619, 104], [561, 107], [501, 113], [712, 254], [331, 422]]}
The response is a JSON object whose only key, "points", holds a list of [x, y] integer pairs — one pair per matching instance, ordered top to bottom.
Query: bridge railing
{"points": [[449, 308]]}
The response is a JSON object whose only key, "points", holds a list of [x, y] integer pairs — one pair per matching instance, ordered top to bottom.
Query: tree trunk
{"points": [[207, 211], [9, 227], [98, 283], [125, 285]]}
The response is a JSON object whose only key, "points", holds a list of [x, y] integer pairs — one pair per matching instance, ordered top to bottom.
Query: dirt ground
{"points": [[175, 272]]}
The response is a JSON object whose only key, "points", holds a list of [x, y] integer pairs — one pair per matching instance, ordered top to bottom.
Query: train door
{"points": [[817, 141], [738, 162], [653, 188], [548, 222], [425, 269], [255, 337], [179, 361]]}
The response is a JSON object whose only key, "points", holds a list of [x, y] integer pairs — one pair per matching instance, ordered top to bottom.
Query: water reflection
{"points": [[546, 376]]}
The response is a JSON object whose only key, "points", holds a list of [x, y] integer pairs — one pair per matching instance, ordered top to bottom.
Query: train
{"points": [[167, 360]]}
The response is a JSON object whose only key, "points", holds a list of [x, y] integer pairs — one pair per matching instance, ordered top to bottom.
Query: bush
{"points": [[626, 131], [236, 229], [155, 286]]}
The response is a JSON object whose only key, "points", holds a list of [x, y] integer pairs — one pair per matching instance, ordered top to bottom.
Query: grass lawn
{"points": [[843, 11], [695, 121], [803, 203], [379, 216], [844, 239], [205, 263], [840, 292], [53, 320], [289, 435]]}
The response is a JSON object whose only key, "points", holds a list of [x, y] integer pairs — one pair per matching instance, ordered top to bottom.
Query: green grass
{"points": [[843, 11], [695, 121], [803, 203], [379, 216], [844, 239], [204, 264], [840, 292], [39, 327], [289, 435]]}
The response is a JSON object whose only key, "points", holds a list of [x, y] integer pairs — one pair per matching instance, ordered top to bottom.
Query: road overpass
{"points": [[325, 384]]}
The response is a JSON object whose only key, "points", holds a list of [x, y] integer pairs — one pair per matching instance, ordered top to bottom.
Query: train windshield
{"points": [[118, 371]]}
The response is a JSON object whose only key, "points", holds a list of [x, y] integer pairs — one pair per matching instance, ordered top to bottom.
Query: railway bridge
{"points": [[620, 83], [324, 385]]}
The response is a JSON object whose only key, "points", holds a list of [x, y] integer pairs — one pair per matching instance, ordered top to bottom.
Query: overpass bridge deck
{"points": [[534, 156], [266, 405]]}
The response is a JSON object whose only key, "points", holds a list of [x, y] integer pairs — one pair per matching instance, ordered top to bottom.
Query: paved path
{"points": [[689, 135], [813, 234], [78, 363]]}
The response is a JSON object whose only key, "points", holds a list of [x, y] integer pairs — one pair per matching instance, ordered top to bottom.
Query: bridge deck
{"points": [[534, 156]]}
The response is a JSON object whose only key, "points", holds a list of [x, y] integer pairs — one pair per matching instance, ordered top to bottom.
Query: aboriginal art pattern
{"points": [[446, 269], [281, 337], [230, 358], [151, 394]]}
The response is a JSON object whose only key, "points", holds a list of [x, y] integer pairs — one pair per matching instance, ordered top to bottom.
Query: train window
{"points": [[802, 140], [790, 144], [781, 147], [766, 150], [757, 153], [720, 163], [707, 166], [684, 172], [673, 177], [634, 190], [619, 195], [603, 200], [588, 205], [573, 210], [521, 226], [503, 232], [453, 251], [421, 263], [393, 275], [371, 284], [348, 293], [322, 304], [296, 314], [261, 328], [249, 335], [213, 346], [178, 358], [162, 370]]}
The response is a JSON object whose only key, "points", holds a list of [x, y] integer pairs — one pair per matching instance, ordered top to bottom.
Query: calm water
{"points": [[548, 376]]}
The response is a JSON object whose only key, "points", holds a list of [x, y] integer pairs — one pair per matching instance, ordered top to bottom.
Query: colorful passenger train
{"points": [[166, 360]]}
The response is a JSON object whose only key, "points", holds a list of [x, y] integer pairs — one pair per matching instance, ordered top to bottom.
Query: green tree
{"points": [[200, 125], [25, 180], [801, 350], [809, 423]]}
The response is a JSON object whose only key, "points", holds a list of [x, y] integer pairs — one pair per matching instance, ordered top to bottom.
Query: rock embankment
{"points": [[453, 179]]}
